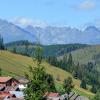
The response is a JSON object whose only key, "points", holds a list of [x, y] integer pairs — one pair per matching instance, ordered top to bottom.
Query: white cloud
{"points": [[86, 5], [23, 22]]}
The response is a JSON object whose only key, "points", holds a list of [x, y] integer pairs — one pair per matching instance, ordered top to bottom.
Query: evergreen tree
{"points": [[1, 43], [26, 48], [14, 50], [38, 54], [65, 58], [70, 60], [53, 61], [64, 61], [70, 63], [75, 74], [40, 81], [50, 83], [83, 84], [38, 85], [68, 85], [93, 89]]}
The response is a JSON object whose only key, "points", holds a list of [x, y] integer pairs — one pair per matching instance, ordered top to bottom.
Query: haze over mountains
{"points": [[11, 32], [49, 35]]}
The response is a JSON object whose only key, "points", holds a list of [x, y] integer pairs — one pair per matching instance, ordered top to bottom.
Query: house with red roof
{"points": [[8, 81], [53, 96]]}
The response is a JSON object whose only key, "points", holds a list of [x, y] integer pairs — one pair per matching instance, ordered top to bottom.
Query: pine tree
{"points": [[1, 43], [26, 48], [14, 50], [38, 54], [65, 58], [70, 60], [64, 63], [70, 63], [76, 71], [40, 81], [50, 83], [83, 84], [68, 85], [93, 89]]}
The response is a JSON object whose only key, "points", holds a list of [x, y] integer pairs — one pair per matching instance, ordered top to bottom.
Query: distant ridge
{"points": [[11, 32], [49, 35], [66, 35]]}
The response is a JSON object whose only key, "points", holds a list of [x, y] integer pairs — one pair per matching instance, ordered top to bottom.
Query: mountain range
{"points": [[11, 32], [50, 34]]}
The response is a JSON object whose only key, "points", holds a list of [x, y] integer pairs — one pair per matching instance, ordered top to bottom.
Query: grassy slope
{"points": [[13, 64]]}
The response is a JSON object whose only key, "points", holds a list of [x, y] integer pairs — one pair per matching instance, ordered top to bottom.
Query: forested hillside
{"points": [[27, 48], [84, 64]]}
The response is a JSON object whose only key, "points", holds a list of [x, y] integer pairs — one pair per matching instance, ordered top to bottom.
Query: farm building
{"points": [[8, 81], [22, 83], [15, 95], [53, 96], [71, 96]]}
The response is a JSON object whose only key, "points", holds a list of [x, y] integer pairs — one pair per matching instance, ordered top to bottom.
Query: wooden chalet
{"points": [[8, 81]]}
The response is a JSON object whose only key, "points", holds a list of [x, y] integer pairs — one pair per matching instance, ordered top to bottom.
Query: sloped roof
{"points": [[4, 79], [22, 80], [19, 95], [53, 95]]}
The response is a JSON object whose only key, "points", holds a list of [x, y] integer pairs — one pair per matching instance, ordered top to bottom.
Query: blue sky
{"points": [[74, 13]]}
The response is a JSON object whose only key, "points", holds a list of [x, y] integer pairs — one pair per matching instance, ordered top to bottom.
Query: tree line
{"points": [[85, 72]]}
